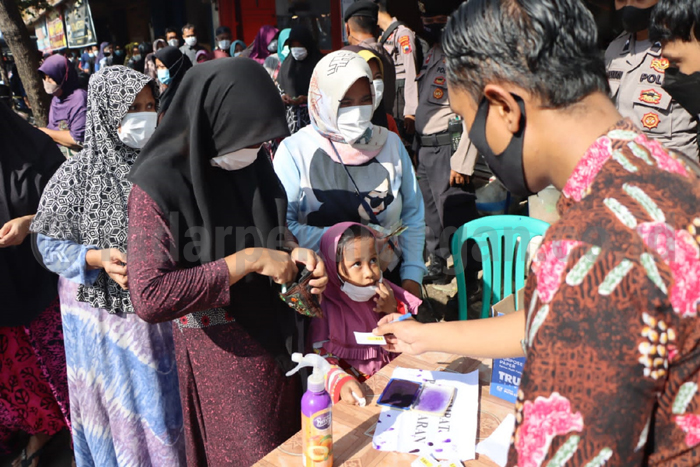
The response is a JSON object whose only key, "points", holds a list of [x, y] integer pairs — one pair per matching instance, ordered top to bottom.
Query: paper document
{"points": [[367, 338], [450, 437], [496, 446]]}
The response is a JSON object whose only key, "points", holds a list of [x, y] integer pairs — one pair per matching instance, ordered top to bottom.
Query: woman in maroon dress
{"points": [[206, 220], [33, 379]]}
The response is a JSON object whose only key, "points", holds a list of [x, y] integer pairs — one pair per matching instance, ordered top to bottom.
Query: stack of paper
{"points": [[450, 437]]}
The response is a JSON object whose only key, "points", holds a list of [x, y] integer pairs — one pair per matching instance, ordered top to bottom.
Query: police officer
{"points": [[361, 28], [400, 42], [636, 72], [446, 157]]}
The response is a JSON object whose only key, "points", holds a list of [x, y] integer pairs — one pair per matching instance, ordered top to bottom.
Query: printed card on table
{"points": [[450, 437]]}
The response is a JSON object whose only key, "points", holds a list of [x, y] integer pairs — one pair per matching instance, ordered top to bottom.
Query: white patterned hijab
{"points": [[330, 81], [86, 200]]}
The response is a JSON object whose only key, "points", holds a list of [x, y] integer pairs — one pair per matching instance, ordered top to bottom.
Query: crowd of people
{"points": [[149, 231]]}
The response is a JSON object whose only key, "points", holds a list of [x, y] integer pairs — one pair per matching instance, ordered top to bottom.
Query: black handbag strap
{"points": [[368, 209]]}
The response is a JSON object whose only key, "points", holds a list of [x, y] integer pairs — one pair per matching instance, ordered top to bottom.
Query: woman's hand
{"points": [[286, 99], [299, 100], [15, 231], [112, 261], [275, 264], [314, 264], [385, 300], [403, 336], [350, 387]]}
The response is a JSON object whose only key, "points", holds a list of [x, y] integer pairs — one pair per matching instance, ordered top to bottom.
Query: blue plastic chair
{"points": [[502, 255]]}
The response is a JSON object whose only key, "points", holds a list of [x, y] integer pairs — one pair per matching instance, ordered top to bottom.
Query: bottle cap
{"points": [[316, 382]]}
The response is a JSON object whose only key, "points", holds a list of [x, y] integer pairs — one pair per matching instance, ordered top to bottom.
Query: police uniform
{"points": [[370, 9], [401, 46], [636, 73], [446, 207]]}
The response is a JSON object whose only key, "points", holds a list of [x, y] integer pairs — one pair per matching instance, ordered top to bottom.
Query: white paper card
{"points": [[367, 338], [450, 437], [496, 446]]}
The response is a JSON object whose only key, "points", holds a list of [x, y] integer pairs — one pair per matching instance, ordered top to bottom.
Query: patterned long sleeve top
{"points": [[612, 332]]}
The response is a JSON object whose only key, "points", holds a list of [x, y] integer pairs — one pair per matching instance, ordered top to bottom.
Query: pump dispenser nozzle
{"points": [[321, 369]]}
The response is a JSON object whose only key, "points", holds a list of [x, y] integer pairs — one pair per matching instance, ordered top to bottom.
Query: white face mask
{"points": [[191, 41], [174, 42], [225, 45], [299, 53], [236, 54], [51, 88], [378, 91], [353, 122], [137, 128], [236, 160], [359, 294]]}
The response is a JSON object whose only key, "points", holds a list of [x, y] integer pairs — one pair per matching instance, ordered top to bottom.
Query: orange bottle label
{"points": [[317, 436]]}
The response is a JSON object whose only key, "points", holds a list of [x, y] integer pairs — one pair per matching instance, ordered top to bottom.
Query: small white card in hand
{"points": [[367, 338]]}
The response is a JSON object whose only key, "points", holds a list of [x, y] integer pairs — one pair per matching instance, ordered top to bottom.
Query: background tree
{"points": [[25, 53]]}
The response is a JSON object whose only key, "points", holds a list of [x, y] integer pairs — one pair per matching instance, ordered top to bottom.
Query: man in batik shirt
{"points": [[610, 329]]}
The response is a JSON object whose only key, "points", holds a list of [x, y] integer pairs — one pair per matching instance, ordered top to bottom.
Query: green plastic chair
{"points": [[502, 255]]}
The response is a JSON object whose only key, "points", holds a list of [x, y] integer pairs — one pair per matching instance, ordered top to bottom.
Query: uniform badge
{"points": [[405, 44], [660, 64], [440, 81], [438, 93], [650, 96], [650, 120]]}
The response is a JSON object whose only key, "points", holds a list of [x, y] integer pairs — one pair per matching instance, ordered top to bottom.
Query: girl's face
{"points": [[360, 262]]}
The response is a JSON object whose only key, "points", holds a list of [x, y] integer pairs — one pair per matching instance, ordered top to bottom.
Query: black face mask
{"points": [[635, 19], [433, 32], [685, 89], [508, 166]]}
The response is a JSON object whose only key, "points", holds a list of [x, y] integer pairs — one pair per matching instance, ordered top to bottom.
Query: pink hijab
{"points": [[262, 40], [342, 316]]}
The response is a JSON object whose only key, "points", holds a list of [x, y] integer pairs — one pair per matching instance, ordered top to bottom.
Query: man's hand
{"points": [[409, 124], [458, 179], [402, 336]]}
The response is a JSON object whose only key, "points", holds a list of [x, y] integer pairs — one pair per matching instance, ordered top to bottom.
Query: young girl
{"points": [[355, 299]]}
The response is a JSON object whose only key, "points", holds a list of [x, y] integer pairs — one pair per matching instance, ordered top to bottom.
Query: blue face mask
{"points": [[164, 76]]}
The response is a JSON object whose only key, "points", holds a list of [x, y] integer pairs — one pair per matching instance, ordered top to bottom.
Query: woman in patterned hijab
{"points": [[82, 227]]}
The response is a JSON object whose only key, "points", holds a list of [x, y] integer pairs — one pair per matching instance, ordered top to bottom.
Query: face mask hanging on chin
{"points": [[236, 160], [508, 166], [359, 294]]}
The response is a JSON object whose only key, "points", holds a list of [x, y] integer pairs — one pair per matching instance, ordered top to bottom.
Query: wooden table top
{"points": [[353, 426]]}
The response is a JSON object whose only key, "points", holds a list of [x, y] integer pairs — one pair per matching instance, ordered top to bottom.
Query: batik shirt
{"points": [[612, 332]]}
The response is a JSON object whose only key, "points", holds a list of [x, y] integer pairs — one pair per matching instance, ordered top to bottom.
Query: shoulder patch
{"points": [[405, 43], [660, 64], [440, 81], [438, 93], [650, 96], [650, 120]]}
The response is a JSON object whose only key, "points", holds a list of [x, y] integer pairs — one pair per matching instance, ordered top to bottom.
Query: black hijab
{"points": [[178, 64], [294, 76], [223, 106], [379, 118], [28, 159]]}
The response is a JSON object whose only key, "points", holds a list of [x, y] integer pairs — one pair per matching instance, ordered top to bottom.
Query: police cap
{"points": [[438, 7], [362, 8]]}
